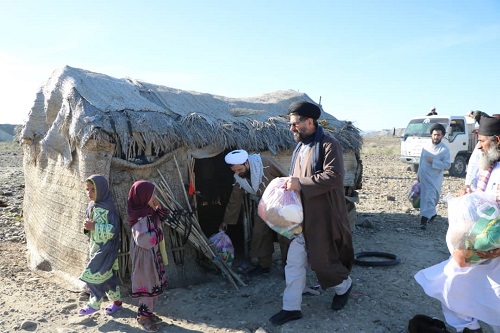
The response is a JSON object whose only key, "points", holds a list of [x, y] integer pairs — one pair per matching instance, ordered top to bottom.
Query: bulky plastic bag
{"points": [[414, 195], [281, 209], [474, 224], [224, 246]]}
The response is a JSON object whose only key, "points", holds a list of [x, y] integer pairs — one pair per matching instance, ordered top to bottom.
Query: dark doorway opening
{"points": [[214, 183]]}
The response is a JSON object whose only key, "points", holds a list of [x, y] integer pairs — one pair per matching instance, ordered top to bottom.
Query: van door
{"points": [[458, 142]]}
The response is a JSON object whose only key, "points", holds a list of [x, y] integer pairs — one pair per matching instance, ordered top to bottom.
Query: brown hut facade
{"points": [[84, 123]]}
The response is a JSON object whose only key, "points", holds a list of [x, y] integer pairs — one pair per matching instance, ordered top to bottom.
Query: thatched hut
{"points": [[84, 123]]}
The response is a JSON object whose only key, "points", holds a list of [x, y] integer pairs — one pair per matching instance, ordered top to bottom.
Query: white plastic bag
{"points": [[281, 209], [473, 225], [223, 245]]}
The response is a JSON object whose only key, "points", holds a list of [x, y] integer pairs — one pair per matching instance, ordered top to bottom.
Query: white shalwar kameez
{"points": [[430, 176], [295, 275], [467, 294]]}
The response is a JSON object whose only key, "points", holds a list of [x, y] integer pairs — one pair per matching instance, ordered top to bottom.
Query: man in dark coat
{"points": [[317, 172]]}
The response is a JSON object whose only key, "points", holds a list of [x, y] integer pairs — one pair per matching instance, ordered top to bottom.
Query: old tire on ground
{"points": [[458, 167], [392, 259]]}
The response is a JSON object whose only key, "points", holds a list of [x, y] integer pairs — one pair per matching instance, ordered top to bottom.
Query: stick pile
{"points": [[186, 224]]}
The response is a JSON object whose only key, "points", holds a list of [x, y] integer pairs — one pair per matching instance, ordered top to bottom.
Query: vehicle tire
{"points": [[414, 167], [458, 167], [393, 259]]}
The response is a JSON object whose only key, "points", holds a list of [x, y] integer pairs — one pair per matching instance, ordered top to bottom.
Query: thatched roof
{"points": [[76, 105]]}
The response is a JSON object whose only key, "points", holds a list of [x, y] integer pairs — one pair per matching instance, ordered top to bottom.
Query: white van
{"points": [[460, 138]]}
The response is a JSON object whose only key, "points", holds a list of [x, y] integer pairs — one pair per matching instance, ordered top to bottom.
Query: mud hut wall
{"points": [[283, 157], [351, 165], [122, 175], [54, 207]]}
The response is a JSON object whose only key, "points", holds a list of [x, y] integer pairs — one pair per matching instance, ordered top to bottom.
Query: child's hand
{"points": [[154, 203], [89, 224]]}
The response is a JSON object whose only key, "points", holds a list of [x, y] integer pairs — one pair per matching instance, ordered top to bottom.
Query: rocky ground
{"points": [[383, 298]]}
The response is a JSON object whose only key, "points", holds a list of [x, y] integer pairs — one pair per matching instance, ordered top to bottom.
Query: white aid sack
{"points": [[281, 209]]}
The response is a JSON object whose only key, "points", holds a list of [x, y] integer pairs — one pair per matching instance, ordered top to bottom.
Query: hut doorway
{"points": [[214, 182]]}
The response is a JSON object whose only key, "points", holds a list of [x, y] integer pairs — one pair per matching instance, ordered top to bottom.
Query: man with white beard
{"points": [[490, 152], [434, 159], [473, 163], [471, 294]]}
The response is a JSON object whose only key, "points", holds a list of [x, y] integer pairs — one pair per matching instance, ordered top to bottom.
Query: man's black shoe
{"points": [[423, 222], [258, 271], [339, 301], [285, 316], [468, 330]]}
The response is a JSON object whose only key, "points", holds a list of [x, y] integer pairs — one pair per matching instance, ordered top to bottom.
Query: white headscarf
{"points": [[256, 172]]}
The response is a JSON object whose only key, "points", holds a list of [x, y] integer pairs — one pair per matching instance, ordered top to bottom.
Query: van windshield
{"points": [[422, 126]]}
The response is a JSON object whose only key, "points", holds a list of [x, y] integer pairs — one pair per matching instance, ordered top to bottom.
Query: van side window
{"points": [[457, 126]]}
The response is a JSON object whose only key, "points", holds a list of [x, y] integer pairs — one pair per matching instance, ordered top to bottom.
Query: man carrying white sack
{"points": [[434, 159], [317, 173], [252, 174], [471, 294]]}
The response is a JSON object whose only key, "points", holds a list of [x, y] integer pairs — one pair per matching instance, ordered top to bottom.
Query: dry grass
{"points": [[381, 145], [9, 146]]}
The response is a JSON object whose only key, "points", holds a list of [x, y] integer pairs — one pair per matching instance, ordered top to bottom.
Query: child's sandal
{"points": [[112, 308], [86, 310]]}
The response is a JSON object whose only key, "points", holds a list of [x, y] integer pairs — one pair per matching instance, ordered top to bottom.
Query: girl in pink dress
{"points": [[148, 264]]}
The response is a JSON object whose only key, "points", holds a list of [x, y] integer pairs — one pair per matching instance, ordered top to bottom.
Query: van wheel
{"points": [[414, 167], [459, 167]]}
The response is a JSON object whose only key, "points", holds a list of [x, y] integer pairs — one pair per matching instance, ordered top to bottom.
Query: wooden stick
{"points": [[192, 179], [182, 183], [197, 237], [229, 270]]}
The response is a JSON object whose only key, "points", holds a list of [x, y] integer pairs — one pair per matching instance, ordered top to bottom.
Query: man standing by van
{"points": [[434, 159]]}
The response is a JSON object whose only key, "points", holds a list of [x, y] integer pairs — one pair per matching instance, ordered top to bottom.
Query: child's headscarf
{"points": [[102, 195], [138, 197]]}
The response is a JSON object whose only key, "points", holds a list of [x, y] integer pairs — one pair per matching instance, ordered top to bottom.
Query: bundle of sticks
{"points": [[186, 224]]}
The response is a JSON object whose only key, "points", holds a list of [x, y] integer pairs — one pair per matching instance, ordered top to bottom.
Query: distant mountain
{"points": [[7, 132], [385, 132]]}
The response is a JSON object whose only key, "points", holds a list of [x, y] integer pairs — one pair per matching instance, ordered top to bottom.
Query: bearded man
{"points": [[434, 159], [317, 173], [252, 174], [471, 294]]}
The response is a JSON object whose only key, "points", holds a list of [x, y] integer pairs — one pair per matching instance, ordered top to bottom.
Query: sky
{"points": [[374, 63]]}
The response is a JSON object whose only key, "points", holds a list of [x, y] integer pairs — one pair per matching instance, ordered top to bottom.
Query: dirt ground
{"points": [[383, 298]]}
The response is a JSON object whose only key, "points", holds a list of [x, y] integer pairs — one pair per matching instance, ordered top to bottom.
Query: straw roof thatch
{"points": [[77, 105]]}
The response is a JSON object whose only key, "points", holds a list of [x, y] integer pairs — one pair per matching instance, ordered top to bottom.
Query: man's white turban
{"points": [[236, 157]]}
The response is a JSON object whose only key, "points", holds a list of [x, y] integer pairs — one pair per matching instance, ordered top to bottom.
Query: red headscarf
{"points": [[138, 197]]}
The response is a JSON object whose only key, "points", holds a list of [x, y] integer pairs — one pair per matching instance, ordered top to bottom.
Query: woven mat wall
{"points": [[55, 202]]}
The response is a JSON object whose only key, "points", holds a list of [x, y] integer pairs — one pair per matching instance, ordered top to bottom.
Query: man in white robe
{"points": [[434, 159], [472, 293]]}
